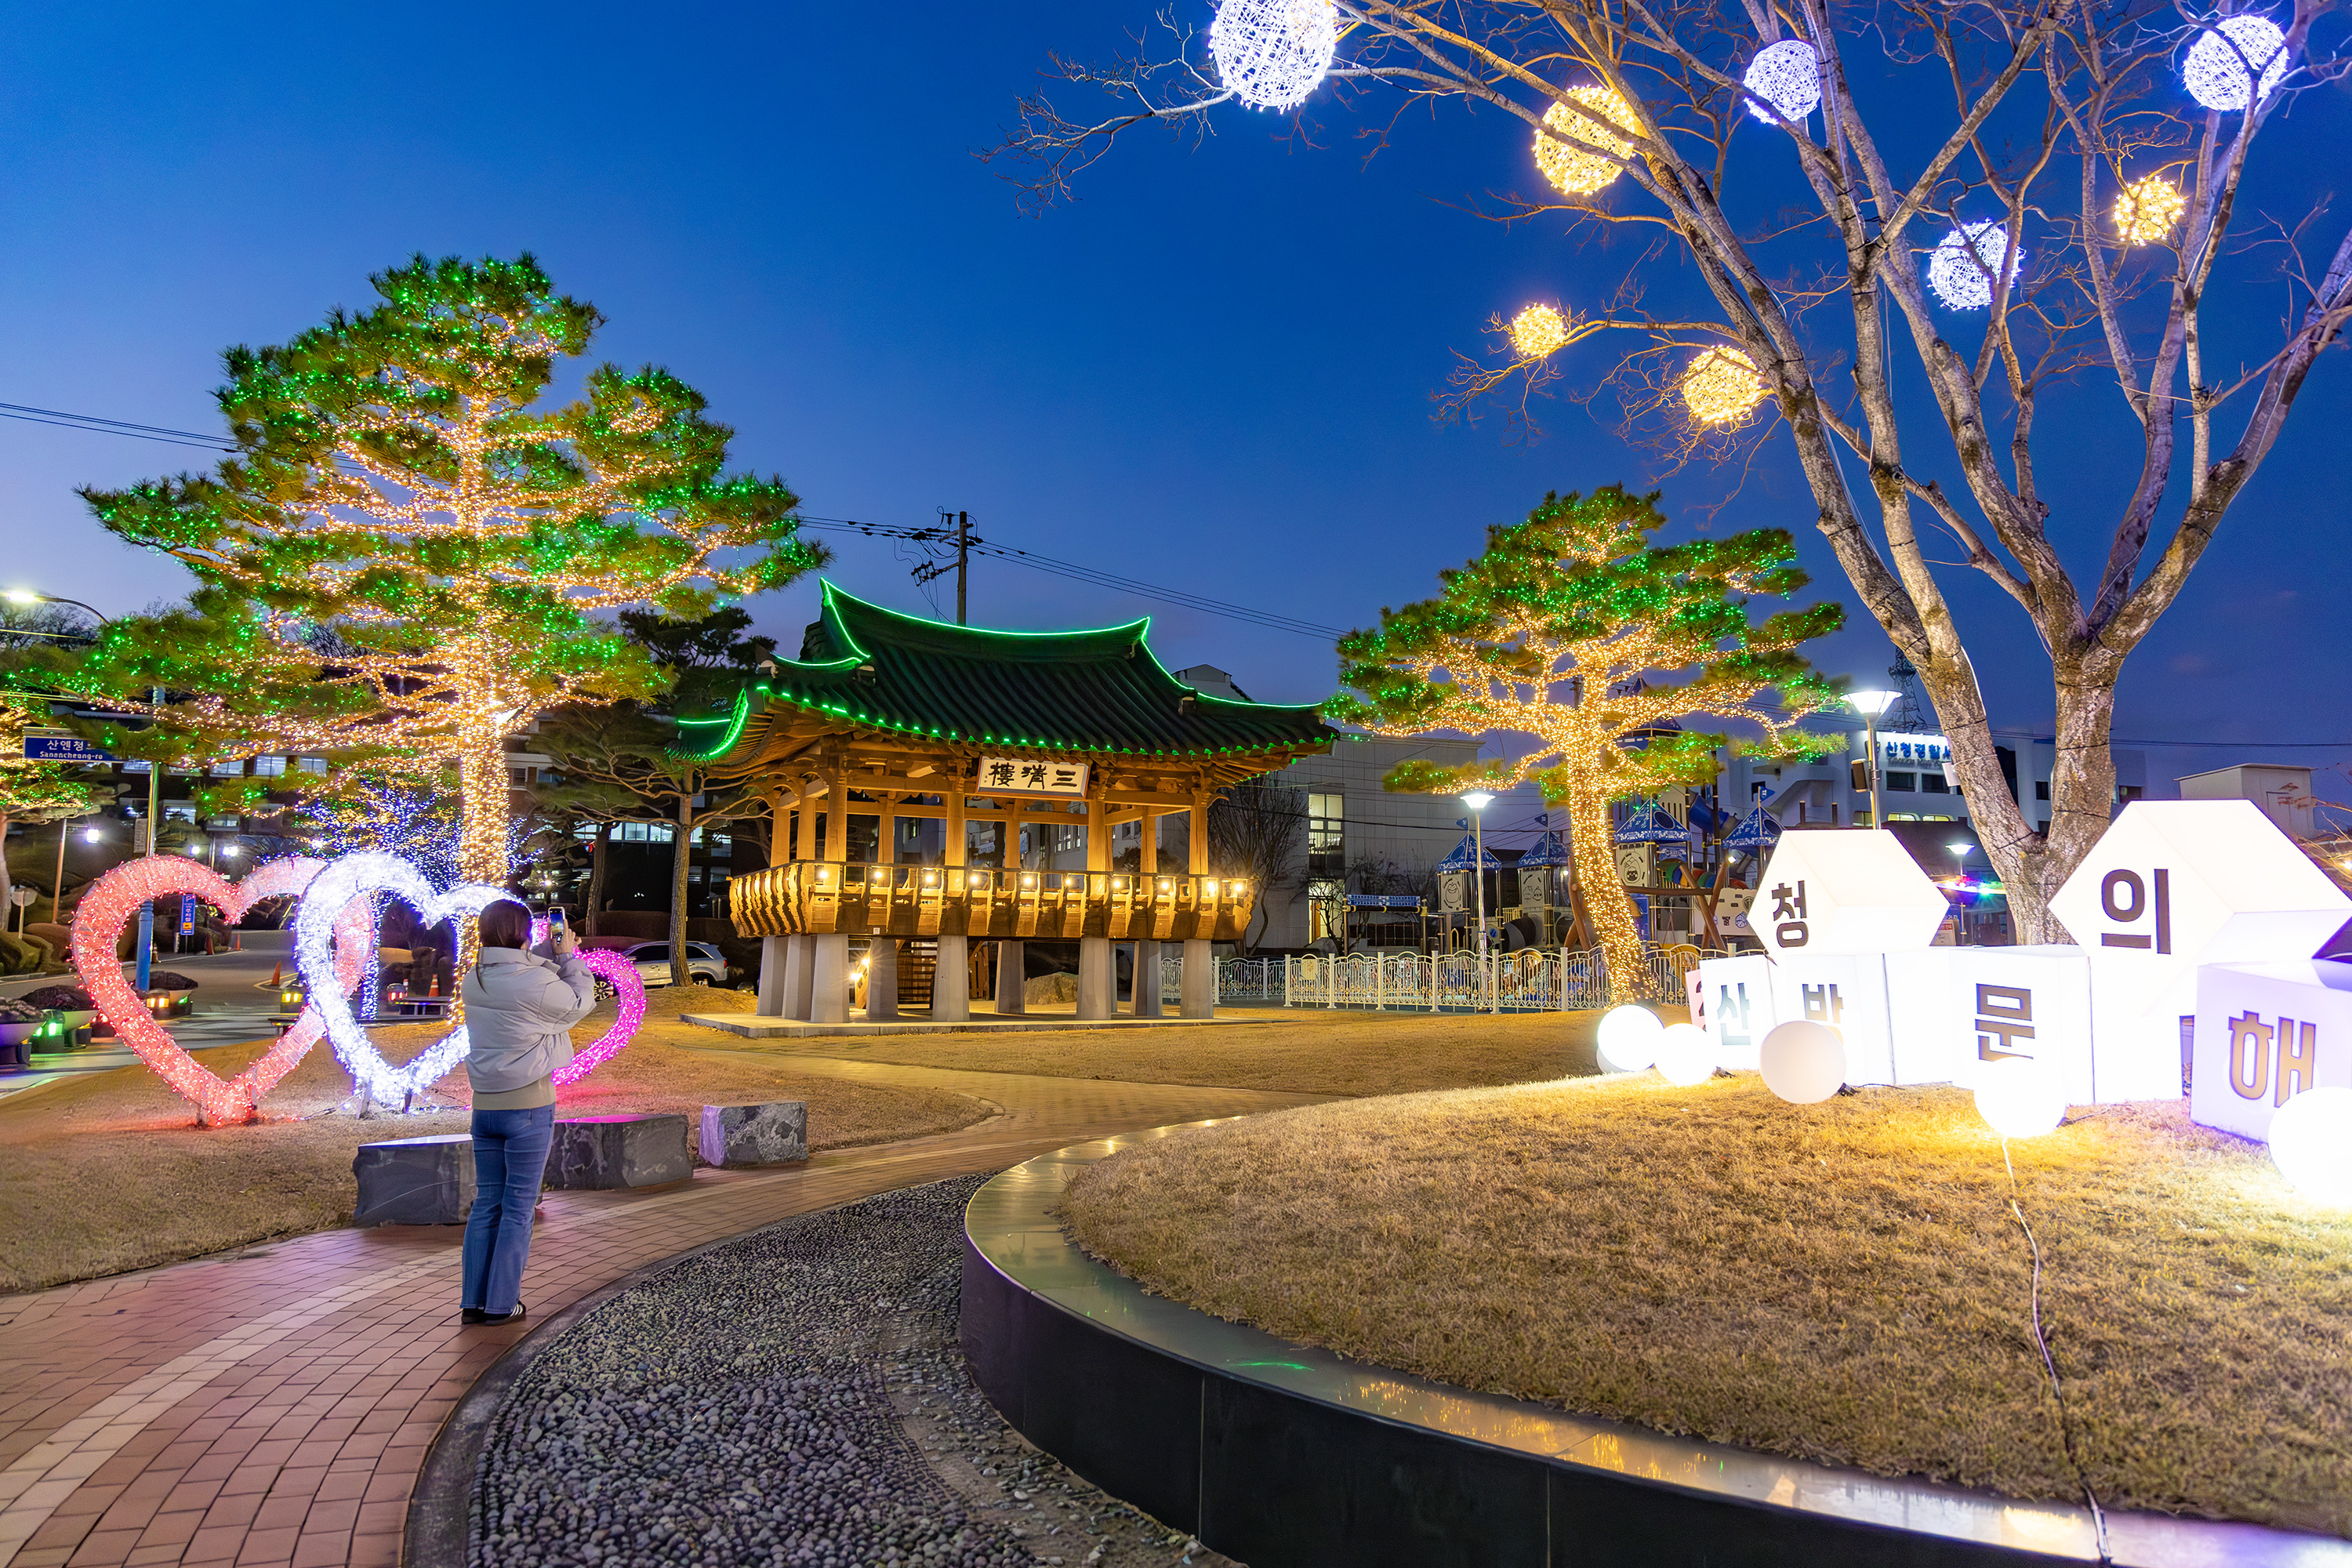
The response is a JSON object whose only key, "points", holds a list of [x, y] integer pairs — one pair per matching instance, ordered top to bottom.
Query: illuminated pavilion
{"points": [[895, 718]]}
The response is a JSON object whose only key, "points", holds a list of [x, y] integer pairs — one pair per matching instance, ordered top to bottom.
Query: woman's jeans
{"points": [[510, 1157]]}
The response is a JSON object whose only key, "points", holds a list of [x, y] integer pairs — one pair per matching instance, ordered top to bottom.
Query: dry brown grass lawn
{"points": [[1300, 1051], [107, 1173], [1840, 1282]]}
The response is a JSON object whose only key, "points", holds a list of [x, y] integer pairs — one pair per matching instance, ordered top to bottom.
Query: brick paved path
{"points": [[274, 1405]]}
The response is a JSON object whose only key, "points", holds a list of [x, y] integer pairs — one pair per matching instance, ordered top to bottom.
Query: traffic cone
{"points": [[277, 974], [434, 989]]}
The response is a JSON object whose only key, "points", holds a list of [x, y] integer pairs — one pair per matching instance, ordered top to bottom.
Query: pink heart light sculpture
{"points": [[98, 924], [629, 1003]]}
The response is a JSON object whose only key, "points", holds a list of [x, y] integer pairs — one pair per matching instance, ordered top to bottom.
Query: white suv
{"points": [[704, 962]]}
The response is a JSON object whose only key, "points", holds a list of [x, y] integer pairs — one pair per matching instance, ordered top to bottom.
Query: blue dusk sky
{"points": [[1212, 371]]}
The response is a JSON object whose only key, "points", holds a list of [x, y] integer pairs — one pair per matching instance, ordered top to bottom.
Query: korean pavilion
{"points": [[894, 719]]}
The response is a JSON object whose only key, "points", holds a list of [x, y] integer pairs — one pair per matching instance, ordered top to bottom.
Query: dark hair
{"points": [[506, 924]]}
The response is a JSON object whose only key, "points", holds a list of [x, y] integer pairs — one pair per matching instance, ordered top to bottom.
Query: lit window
{"points": [[311, 765], [269, 767], [228, 770]]}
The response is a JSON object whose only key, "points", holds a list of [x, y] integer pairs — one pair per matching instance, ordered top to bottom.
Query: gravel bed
{"points": [[794, 1397]]}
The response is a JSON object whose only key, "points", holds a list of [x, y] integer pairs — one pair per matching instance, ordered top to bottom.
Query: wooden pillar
{"points": [[1097, 971], [951, 975], [1200, 978], [1143, 996]]}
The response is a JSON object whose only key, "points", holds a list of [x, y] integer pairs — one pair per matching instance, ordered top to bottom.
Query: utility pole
{"points": [[963, 558]]}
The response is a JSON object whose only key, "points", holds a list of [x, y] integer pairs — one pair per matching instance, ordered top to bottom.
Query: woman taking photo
{"points": [[520, 1005]]}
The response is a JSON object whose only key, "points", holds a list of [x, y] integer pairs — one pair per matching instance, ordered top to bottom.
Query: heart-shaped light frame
{"points": [[355, 877], [108, 905], [628, 1003]]}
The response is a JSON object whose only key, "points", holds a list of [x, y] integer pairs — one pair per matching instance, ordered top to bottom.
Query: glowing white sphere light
{"points": [[1273, 53], [2215, 70], [1787, 77], [1964, 261], [1629, 1038], [1685, 1055], [1803, 1062], [2020, 1097], [2311, 1143]]}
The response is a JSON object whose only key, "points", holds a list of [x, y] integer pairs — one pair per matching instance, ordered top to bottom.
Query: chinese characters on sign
{"points": [[1031, 775]]}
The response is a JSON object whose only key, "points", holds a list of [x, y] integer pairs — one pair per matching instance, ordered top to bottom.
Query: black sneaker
{"points": [[471, 1316], [514, 1317]]}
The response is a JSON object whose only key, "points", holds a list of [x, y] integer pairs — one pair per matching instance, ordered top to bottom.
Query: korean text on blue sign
{"points": [[63, 749]]}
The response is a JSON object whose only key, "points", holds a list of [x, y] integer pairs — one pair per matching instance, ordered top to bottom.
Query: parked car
{"points": [[704, 962]]}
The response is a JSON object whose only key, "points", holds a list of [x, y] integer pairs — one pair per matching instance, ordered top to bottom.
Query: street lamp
{"points": [[1870, 705], [1478, 800], [1960, 853]]}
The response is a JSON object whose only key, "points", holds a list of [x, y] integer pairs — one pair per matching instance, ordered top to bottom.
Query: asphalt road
{"points": [[234, 982]]}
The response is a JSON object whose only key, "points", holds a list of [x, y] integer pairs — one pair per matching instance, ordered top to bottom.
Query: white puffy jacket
{"points": [[519, 1009]]}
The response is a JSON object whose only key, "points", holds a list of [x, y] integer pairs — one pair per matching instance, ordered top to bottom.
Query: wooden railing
{"points": [[820, 897]]}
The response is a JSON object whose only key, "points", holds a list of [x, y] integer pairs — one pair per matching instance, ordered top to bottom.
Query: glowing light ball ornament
{"points": [[1272, 54], [2215, 71], [1786, 78], [1579, 174], [2147, 209], [1964, 262], [1538, 331], [1721, 386], [354, 876], [107, 907], [628, 1004], [1629, 1038], [1685, 1055], [1803, 1062], [2020, 1097], [2311, 1143]]}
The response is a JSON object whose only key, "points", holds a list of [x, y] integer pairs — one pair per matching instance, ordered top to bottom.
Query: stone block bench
{"points": [[771, 1134], [598, 1153], [414, 1181]]}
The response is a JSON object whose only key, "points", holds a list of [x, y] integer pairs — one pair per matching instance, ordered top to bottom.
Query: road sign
{"points": [[57, 746]]}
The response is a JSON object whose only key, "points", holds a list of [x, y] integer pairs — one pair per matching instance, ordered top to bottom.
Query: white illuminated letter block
{"points": [[2172, 885], [1842, 892], [1848, 993], [1736, 1008], [1957, 1010], [2266, 1032]]}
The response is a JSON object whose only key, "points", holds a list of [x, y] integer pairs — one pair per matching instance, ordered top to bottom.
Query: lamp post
{"points": [[1870, 705], [1478, 800], [1960, 871]]}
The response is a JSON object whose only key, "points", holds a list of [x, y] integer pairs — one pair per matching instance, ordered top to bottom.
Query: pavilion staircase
{"points": [[919, 960]]}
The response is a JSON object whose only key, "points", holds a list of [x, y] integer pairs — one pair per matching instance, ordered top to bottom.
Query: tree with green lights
{"points": [[406, 560], [1575, 628], [33, 792]]}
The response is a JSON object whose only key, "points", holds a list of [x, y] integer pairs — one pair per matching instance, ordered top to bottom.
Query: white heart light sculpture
{"points": [[350, 878]]}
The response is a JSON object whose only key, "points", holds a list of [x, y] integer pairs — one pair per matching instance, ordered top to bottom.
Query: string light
{"points": [[1273, 54], [2214, 71], [1786, 76], [1577, 173], [2147, 209], [1964, 262], [1538, 331], [1721, 386], [421, 547], [1527, 640], [32, 791], [357, 877], [107, 906], [628, 1006]]}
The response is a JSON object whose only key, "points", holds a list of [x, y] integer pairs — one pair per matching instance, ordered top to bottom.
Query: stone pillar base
{"points": [[799, 976], [1097, 978], [1012, 979], [829, 980], [882, 980], [1199, 980], [952, 981], [1143, 998]]}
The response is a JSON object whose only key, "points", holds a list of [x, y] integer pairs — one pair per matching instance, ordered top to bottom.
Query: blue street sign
{"points": [[63, 749]]}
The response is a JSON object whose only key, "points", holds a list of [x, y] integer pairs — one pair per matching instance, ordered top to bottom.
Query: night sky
{"points": [[1213, 372]]}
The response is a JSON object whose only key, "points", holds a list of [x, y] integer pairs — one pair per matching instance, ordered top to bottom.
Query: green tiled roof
{"points": [[1099, 691]]}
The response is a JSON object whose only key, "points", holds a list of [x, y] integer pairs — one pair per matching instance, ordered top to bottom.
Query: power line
{"points": [[98, 426]]}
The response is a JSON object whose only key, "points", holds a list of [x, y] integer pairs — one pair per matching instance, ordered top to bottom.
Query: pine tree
{"points": [[405, 563], [1575, 628], [33, 791]]}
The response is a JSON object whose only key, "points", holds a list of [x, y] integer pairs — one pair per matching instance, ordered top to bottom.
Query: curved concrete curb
{"points": [[1283, 1455]]}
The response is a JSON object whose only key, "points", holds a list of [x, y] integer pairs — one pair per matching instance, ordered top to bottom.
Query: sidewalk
{"points": [[274, 1405]]}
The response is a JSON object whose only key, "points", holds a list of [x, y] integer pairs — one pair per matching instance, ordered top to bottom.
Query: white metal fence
{"points": [[1532, 981]]}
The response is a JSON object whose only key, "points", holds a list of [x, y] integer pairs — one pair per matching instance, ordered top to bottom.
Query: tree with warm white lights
{"points": [[2005, 209], [406, 562], [1575, 628], [33, 791]]}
